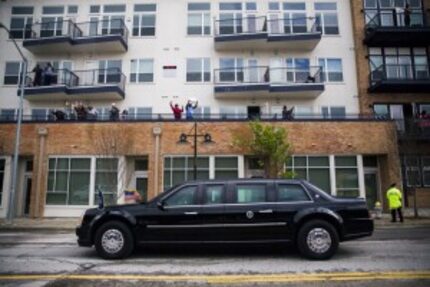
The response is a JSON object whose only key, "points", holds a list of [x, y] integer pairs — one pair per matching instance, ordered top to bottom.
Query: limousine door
{"points": [[249, 213], [177, 220]]}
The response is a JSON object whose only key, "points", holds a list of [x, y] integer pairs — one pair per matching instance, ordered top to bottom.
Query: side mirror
{"points": [[160, 205]]}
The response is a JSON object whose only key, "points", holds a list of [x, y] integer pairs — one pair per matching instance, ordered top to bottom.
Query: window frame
{"points": [[204, 14], [321, 14], [28, 22], [140, 26], [204, 63], [138, 64], [326, 71], [18, 75], [347, 167], [2, 179], [177, 190], [306, 192], [205, 195], [234, 198]]}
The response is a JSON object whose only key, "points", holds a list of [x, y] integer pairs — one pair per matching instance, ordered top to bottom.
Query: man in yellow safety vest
{"points": [[394, 197]]}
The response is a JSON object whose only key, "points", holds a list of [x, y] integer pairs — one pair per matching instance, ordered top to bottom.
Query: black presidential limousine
{"points": [[232, 211]]}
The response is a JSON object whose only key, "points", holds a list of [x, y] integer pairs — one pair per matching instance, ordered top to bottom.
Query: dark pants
{"points": [[393, 214]]}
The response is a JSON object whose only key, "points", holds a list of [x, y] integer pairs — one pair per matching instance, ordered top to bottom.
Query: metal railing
{"points": [[391, 18], [241, 25], [291, 26], [60, 28], [67, 28], [403, 72], [265, 74], [248, 75], [57, 77], [79, 78], [70, 116], [413, 128]]}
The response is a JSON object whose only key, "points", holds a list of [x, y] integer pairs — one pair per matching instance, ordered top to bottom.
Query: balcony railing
{"points": [[392, 19], [260, 24], [243, 25], [290, 26], [75, 31], [400, 72], [244, 75], [267, 75], [291, 76], [81, 78], [71, 117], [413, 129]]}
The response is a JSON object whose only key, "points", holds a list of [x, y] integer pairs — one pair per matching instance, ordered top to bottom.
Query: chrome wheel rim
{"points": [[319, 240], [112, 241]]}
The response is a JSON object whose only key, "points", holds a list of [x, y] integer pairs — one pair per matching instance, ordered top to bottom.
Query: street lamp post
{"points": [[22, 80], [183, 139]]}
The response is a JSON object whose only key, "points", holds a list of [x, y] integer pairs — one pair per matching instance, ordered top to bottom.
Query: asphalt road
{"points": [[392, 257]]}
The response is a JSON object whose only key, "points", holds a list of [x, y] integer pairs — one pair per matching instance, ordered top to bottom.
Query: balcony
{"points": [[388, 29], [259, 33], [60, 37], [400, 79], [262, 81], [108, 84], [413, 129]]}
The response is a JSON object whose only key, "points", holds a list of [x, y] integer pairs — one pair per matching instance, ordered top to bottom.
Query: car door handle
{"points": [[266, 211], [191, 213]]}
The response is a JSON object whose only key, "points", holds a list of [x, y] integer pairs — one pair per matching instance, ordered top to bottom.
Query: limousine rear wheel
{"points": [[317, 239], [114, 240]]}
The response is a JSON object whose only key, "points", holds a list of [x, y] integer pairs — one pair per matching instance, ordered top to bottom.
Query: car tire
{"points": [[317, 239], [114, 240]]}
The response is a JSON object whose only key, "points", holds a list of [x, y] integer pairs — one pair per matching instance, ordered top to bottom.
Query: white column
{"points": [[241, 166], [212, 167], [332, 175], [121, 177], [92, 181], [361, 184]]}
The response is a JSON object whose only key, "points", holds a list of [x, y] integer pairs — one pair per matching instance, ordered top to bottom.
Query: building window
{"points": [[114, 8], [72, 9], [95, 9], [231, 18], [294, 18], [326, 18], [144, 19], [21, 21], [199, 22], [198, 70], [231, 70], [331, 70], [109, 71], [142, 71], [12, 73], [202, 112], [333, 112], [7, 114], [40, 114], [226, 167], [2, 168], [180, 169], [315, 169], [412, 171], [346, 176], [106, 179], [68, 181]]}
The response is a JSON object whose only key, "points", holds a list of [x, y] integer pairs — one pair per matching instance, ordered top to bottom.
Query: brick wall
{"points": [[376, 138]]}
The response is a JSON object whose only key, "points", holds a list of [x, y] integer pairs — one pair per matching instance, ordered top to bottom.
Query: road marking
{"points": [[231, 279]]}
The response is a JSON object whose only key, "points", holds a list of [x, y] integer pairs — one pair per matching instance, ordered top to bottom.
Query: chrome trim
{"points": [[238, 204], [265, 211], [191, 213], [216, 225], [319, 240], [112, 241], [214, 241]]}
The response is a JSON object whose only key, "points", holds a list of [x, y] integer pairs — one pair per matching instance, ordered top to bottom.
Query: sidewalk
{"points": [[69, 224]]}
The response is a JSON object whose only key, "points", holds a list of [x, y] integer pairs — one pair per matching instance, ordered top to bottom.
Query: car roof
{"points": [[244, 180]]}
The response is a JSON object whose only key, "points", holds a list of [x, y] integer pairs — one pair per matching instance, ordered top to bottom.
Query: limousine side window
{"points": [[291, 192], [248, 193], [213, 194], [184, 196]]}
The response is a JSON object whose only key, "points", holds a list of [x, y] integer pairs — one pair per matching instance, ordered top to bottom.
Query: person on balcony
{"points": [[407, 14], [48, 74], [37, 81], [189, 109], [177, 112], [92, 113], [114, 113]]}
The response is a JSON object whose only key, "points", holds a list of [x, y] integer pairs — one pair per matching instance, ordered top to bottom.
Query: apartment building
{"points": [[392, 50], [238, 60]]}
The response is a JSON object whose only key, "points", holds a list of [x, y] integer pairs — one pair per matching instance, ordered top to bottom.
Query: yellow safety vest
{"points": [[394, 197]]}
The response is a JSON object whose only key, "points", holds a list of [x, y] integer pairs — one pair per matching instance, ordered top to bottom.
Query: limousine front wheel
{"points": [[317, 239], [113, 240]]}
